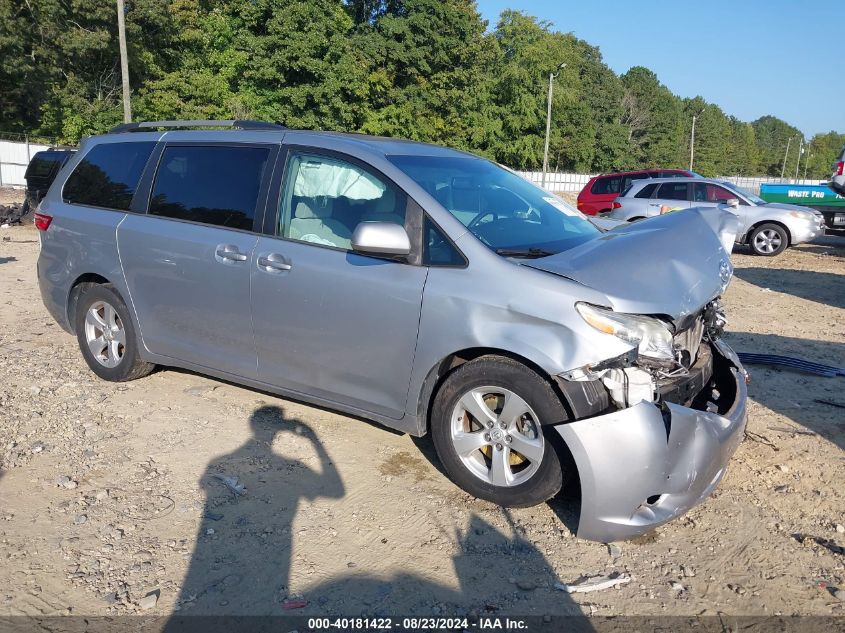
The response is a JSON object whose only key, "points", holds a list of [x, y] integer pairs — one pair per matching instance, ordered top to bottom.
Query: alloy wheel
{"points": [[767, 241], [105, 334], [497, 436]]}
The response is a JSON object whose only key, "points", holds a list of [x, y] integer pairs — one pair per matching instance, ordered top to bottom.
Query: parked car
{"points": [[40, 173], [837, 179], [600, 191], [767, 227], [421, 287]]}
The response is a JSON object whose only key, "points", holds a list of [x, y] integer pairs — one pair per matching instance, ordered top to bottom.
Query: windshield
{"points": [[752, 197], [507, 213]]}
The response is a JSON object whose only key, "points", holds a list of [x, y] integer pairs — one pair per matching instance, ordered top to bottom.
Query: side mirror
{"points": [[733, 203], [380, 238]]}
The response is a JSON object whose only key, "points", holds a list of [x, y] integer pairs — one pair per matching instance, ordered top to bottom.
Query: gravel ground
{"points": [[113, 498]]}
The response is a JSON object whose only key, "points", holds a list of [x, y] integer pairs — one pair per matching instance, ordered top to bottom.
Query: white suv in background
{"points": [[767, 227]]}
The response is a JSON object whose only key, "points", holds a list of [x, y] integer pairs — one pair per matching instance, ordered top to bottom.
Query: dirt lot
{"points": [[110, 492]]}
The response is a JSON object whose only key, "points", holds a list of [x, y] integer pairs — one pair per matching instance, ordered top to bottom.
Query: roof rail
{"points": [[240, 124]]}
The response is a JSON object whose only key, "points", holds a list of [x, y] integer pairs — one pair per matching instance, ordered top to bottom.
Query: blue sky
{"points": [[780, 57]]}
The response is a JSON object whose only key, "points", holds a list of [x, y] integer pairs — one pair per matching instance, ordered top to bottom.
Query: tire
{"points": [[768, 240], [113, 353], [518, 481]]}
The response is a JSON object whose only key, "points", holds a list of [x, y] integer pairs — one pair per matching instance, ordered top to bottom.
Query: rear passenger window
{"points": [[108, 175], [212, 184], [610, 184], [646, 191], [672, 191], [325, 198]]}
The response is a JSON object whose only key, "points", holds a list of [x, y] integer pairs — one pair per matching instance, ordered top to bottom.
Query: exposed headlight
{"points": [[650, 335]]}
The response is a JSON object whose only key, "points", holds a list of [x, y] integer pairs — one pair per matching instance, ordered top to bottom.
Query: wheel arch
{"points": [[76, 289], [441, 370]]}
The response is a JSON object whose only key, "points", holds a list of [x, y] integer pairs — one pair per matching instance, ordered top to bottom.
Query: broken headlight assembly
{"points": [[653, 337]]}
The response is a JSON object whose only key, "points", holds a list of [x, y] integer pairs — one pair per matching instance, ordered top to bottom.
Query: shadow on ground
{"points": [[815, 286], [794, 394], [247, 573]]}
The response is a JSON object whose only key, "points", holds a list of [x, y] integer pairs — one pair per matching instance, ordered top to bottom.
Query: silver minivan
{"points": [[427, 289]]}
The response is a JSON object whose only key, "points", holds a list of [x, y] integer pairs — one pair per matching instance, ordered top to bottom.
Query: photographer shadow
{"points": [[241, 561]]}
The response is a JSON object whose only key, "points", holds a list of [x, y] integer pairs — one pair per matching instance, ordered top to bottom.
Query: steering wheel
{"points": [[477, 219]]}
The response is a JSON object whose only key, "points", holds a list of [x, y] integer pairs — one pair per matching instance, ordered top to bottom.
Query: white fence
{"points": [[14, 157], [573, 183]]}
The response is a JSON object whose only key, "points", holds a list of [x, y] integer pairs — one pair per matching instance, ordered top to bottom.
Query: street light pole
{"points": [[124, 62], [552, 76], [692, 142], [783, 167]]}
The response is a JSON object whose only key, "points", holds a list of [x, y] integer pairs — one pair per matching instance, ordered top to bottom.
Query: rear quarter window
{"points": [[108, 175], [646, 191]]}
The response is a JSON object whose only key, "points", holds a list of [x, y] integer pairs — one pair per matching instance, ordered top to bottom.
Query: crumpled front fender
{"points": [[642, 466]]}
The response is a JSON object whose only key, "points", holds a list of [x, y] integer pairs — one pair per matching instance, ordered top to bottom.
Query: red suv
{"points": [[600, 192]]}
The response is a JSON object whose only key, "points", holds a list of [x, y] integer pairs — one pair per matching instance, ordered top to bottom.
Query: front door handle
{"points": [[229, 252], [273, 263]]}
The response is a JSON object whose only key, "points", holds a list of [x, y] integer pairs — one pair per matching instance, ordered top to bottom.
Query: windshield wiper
{"points": [[530, 253]]}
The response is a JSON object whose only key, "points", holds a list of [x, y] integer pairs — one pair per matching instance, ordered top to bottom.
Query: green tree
{"points": [[429, 67], [654, 119], [773, 135], [821, 152]]}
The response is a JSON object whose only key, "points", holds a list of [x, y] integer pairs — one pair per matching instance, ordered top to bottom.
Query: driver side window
{"points": [[325, 198]]}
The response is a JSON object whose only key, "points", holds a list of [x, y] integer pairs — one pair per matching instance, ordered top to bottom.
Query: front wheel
{"points": [[769, 240], [487, 427]]}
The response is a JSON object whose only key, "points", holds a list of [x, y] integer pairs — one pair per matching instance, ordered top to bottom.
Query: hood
{"points": [[790, 207], [673, 264]]}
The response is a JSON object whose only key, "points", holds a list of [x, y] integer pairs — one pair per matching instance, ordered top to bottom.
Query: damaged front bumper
{"points": [[645, 465]]}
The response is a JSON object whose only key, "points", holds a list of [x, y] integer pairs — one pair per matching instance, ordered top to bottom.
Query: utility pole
{"points": [[124, 62], [552, 76], [692, 142], [807, 160], [798, 162], [783, 167]]}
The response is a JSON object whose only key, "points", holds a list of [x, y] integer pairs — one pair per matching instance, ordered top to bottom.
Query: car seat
{"points": [[312, 222]]}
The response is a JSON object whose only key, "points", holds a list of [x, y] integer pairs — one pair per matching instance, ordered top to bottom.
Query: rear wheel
{"points": [[768, 240], [106, 335], [487, 426]]}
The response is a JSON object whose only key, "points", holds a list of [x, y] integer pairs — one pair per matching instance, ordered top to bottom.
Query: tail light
{"points": [[840, 167], [616, 205], [42, 221]]}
